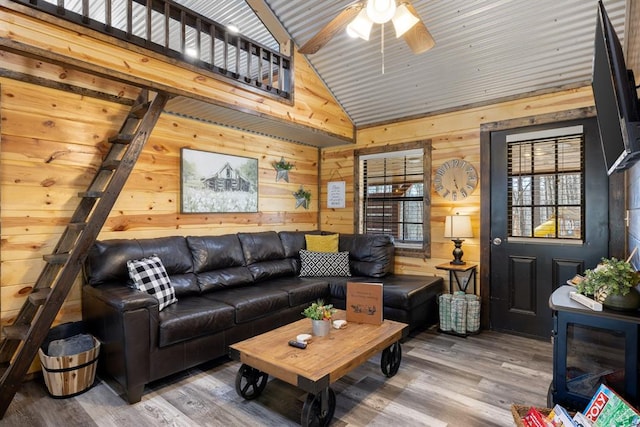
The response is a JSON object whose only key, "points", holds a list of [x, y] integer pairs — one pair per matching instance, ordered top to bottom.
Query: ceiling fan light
{"points": [[381, 11], [403, 20], [360, 26]]}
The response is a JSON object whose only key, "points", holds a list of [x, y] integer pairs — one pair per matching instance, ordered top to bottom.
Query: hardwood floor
{"points": [[443, 381]]}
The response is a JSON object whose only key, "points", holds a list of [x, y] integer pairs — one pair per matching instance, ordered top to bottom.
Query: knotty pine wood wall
{"points": [[453, 135], [52, 140]]}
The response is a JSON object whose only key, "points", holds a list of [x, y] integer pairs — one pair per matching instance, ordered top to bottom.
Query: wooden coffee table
{"points": [[324, 361]]}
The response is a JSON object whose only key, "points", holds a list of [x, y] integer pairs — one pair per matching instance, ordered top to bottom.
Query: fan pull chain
{"points": [[382, 45]]}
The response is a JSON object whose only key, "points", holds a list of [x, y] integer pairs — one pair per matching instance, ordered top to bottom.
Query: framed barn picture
{"points": [[214, 182]]}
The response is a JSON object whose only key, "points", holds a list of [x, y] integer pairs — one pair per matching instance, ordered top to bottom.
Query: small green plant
{"points": [[282, 165], [303, 198], [612, 276], [319, 311]]}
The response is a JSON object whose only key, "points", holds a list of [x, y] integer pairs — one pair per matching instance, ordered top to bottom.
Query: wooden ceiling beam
{"points": [[271, 21]]}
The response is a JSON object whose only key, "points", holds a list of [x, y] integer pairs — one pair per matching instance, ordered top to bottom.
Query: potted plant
{"points": [[282, 168], [303, 198], [613, 282], [320, 315]]}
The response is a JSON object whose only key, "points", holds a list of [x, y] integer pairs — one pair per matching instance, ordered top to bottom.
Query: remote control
{"points": [[586, 301], [294, 343]]}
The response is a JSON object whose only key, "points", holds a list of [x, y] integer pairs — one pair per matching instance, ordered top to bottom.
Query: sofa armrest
{"points": [[121, 298], [123, 320]]}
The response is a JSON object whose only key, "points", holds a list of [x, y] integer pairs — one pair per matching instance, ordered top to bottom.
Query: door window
{"points": [[546, 184]]}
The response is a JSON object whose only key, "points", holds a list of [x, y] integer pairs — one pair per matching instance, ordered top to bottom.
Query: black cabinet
{"points": [[590, 348]]}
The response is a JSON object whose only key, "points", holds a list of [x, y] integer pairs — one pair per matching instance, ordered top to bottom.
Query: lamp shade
{"points": [[403, 20], [360, 26], [457, 226]]}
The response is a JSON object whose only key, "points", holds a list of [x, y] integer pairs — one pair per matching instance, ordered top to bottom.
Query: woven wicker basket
{"points": [[519, 411]]}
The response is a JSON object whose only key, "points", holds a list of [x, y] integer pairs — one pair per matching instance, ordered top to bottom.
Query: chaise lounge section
{"points": [[228, 288]]}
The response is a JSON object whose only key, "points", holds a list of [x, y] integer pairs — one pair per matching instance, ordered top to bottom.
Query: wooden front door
{"points": [[549, 216]]}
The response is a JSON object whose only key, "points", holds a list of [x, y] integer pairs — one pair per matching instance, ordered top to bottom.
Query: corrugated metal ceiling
{"points": [[485, 50]]}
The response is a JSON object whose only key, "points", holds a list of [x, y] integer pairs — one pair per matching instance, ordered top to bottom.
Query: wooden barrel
{"points": [[68, 376]]}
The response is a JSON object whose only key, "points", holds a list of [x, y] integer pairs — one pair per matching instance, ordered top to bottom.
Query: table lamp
{"points": [[456, 227]]}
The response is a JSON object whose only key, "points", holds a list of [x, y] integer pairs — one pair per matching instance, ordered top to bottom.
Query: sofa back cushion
{"points": [[293, 242], [369, 254], [264, 255], [107, 261], [218, 261]]}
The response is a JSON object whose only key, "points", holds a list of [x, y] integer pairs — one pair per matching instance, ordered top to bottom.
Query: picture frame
{"points": [[217, 183], [336, 191]]}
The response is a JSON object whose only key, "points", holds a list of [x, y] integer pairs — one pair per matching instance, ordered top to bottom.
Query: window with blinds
{"points": [[546, 184], [391, 196]]}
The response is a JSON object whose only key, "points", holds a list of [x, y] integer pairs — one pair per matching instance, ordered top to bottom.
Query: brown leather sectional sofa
{"points": [[229, 288]]}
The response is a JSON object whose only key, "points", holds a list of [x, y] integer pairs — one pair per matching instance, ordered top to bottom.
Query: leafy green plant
{"points": [[282, 165], [303, 198], [613, 276], [319, 311]]}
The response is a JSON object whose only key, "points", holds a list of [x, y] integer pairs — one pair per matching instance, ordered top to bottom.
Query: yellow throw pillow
{"points": [[318, 243]]}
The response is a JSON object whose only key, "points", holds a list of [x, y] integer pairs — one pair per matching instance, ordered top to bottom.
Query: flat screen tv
{"points": [[616, 99]]}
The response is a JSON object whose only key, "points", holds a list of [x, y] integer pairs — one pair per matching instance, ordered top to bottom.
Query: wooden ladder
{"points": [[31, 326]]}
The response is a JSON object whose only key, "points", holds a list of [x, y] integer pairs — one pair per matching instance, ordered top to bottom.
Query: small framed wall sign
{"points": [[336, 194]]}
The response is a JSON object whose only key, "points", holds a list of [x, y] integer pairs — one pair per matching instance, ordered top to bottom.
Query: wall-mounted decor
{"points": [[282, 168], [455, 179], [213, 182], [336, 194], [303, 198]]}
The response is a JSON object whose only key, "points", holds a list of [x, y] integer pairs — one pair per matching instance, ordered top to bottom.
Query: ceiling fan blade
{"points": [[336, 25], [418, 37]]}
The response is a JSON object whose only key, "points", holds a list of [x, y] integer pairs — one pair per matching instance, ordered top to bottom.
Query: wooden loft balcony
{"points": [[177, 32]]}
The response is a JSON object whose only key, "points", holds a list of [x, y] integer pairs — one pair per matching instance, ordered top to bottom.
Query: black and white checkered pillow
{"points": [[324, 263], [149, 275]]}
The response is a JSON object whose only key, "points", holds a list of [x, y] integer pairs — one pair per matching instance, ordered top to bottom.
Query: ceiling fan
{"points": [[359, 17]]}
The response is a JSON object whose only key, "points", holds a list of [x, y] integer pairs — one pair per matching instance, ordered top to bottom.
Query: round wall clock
{"points": [[455, 179]]}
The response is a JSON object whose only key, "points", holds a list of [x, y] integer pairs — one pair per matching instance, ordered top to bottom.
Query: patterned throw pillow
{"points": [[320, 243], [324, 263], [149, 275]]}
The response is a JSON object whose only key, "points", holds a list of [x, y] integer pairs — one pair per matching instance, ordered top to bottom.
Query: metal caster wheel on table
{"points": [[391, 358], [250, 382], [313, 413]]}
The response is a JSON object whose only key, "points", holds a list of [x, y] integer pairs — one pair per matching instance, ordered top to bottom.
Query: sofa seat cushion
{"points": [[302, 290], [400, 291], [407, 292], [252, 302], [192, 317]]}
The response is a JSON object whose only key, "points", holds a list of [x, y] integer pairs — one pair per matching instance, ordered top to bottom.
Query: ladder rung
{"points": [[138, 111], [121, 139], [110, 165], [91, 194], [77, 226], [56, 258], [39, 296], [16, 332]]}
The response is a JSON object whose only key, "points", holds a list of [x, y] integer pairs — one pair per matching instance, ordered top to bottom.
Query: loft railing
{"points": [[178, 32]]}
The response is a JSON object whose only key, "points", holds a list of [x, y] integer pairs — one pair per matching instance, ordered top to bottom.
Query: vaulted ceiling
{"points": [[486, 50]]}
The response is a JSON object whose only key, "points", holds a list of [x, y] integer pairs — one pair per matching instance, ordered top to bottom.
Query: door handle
{"points": [[497, 241]]}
